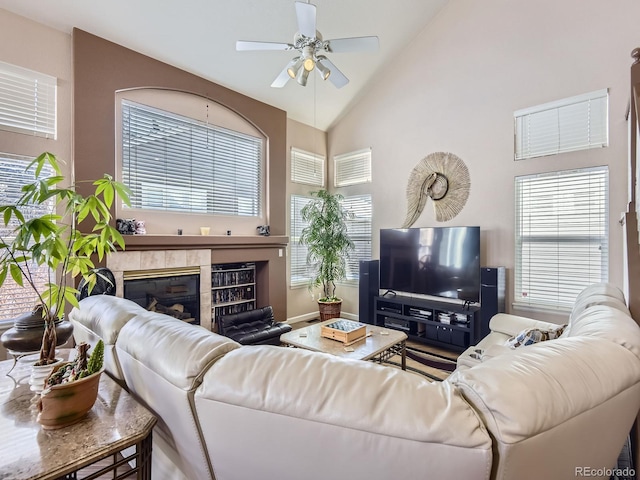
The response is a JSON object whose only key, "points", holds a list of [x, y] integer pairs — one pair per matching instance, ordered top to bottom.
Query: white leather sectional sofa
{"points": [[234, 412]]}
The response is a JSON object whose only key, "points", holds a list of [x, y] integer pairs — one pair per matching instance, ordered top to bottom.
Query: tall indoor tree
{"points": [[328, 246]]}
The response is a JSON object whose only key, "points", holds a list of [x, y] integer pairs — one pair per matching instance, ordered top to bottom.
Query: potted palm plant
{"points": [[54, 240], [328, 247]]}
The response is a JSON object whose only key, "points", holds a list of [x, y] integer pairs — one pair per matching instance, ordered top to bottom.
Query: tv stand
{"points": [[447, 325]]}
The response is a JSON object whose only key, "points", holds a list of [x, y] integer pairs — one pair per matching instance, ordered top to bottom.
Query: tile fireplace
{"points": [[173, 257], [177, 280], [175, 292]]}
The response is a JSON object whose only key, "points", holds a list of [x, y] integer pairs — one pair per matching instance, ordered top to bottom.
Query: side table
{"points": [[115, 423]]}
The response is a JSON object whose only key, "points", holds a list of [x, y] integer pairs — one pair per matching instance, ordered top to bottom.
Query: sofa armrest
{"points": [[511, 325]]}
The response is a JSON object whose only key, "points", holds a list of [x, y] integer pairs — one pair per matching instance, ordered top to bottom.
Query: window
{"points": [[27, 101], [575, 123], [175, 163], [307, 168], [352, 168], [359, 228], [561, 235], [298, 256], [14, 299]]}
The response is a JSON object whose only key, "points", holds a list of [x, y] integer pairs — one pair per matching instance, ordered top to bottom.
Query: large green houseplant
{"points": [[55, 240], [328, 247]]}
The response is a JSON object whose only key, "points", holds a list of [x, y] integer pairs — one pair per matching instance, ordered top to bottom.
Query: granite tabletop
{"points": [[27, 451]]}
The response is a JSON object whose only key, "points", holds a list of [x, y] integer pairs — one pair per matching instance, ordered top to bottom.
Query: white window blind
{"points": [[27, 101], [575, 123], [175, 163], [307, 167], [352, 168], [359, 230], [561, 235], [300, 274], [14, 299]]}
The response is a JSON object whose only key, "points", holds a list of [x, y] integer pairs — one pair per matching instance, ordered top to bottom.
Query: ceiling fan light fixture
{"points": [[309, 61], [295, 67], [323, 70], [303, 75]]}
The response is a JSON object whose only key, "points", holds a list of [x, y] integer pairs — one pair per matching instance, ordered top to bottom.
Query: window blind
{"points": [[27, 101], [575, 123], [176, 163], [307, 167], [352, 168], [359, 230], [561, 235], [300, 274], [14, 299]]}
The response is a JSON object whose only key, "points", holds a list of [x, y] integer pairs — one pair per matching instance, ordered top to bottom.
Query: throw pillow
{"points": [[529, 336]]}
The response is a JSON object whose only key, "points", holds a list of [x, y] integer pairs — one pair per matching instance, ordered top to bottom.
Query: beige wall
{"points": [[455, 89]]}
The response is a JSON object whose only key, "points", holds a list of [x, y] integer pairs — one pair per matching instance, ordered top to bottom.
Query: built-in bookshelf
{"points": [[233, 288]]}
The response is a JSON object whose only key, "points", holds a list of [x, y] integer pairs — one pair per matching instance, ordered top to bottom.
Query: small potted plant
{"points": [[55, 240], [328, 247], [71, 389]]}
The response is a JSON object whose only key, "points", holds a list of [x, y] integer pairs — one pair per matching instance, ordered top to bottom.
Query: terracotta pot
{"points": [[329, 309], [67, 403]]}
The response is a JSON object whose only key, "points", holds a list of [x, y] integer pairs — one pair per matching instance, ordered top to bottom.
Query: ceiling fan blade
{"points": [[306, 13], [354, 44], [243, 45], [336, 77], [281, 80]]}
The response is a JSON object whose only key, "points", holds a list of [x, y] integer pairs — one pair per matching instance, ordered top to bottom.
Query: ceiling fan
{"points": [[311, 47]]}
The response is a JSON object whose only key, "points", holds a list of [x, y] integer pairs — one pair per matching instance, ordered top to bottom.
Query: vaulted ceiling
{"points": [[199, 36]]}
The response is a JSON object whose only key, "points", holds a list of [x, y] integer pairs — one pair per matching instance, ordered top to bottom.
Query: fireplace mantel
{"points": [[185, 242], [176, 252]]}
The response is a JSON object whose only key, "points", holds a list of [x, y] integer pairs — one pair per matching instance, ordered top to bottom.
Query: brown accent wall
{"points": [[101, 68]]}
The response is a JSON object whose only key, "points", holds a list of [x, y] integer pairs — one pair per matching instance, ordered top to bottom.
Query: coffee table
{"points": [[380, 344]]}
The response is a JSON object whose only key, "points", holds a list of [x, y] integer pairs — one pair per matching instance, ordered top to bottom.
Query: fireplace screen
{"points": [[177, 296]]}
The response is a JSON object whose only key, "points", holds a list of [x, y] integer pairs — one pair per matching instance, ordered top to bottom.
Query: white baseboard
{"points": [[310, 316]]}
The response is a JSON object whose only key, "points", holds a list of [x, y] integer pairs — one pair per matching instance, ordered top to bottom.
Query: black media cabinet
{"points": [[447, 325]]}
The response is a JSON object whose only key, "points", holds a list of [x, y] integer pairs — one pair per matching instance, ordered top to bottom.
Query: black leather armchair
{"points": [[253, 327]]}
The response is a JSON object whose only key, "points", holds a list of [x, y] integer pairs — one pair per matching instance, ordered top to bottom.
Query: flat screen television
{"points": [[437, 261]]}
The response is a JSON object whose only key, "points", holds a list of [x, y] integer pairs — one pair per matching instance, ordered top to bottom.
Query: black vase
{"points": [[28, 329]]}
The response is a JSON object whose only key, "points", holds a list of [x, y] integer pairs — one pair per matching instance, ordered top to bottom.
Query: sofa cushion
{"points": [[105, 315], [101, 317], [610, 323], [529, 336], [175, 350], [512, 391], [555, 405], [334, 418]]}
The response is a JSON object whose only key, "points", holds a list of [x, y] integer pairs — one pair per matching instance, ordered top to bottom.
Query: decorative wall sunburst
{"points": [[444, 178]]}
